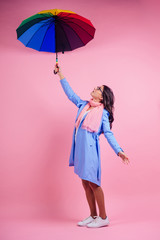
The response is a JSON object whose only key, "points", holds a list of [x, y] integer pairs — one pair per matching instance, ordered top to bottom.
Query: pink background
{"points": [[36, 183]]}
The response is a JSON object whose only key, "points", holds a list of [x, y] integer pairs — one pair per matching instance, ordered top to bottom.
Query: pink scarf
{"points": [[93, 118]]}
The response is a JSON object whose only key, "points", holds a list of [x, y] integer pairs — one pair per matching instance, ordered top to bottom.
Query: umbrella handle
{"points": [[56, 63], [58, 69], [55, 72]]}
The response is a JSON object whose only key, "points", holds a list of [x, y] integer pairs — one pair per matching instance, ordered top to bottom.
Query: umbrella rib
{"points": [[66, 17], [41, 19], [78, 20], [80, 27], [35, 33], [77, 33], [45, 35], [65, 35]]}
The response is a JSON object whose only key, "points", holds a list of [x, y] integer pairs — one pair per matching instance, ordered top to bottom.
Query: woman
{"points": [[94, 117]]}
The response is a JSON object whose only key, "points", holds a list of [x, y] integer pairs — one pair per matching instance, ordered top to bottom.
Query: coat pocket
{"points": [[92, 140]]}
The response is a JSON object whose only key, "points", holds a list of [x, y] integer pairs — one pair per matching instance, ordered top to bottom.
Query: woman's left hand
{"points": [[124, 157]]}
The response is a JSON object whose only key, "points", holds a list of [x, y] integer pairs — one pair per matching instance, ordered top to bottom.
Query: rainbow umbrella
{"points": [[55, 31]]}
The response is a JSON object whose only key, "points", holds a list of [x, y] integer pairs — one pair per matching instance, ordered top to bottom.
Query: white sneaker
{"points": [[86, 221], [98, 222]]}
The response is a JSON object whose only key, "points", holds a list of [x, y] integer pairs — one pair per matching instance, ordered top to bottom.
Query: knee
{"points": [[85, 184], [93, 186]]}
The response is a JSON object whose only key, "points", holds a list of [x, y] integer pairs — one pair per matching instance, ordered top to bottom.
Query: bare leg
{"points": [[99, 196], [90, 197]]}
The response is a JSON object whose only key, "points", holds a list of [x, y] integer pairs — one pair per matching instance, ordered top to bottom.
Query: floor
{"points": [[132, 219]]}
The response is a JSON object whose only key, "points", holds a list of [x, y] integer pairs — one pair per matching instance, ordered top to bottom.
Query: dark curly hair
{"points": [[108, 101]]}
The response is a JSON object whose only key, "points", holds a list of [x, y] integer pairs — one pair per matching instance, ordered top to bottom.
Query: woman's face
{"points": [[97, 93]]}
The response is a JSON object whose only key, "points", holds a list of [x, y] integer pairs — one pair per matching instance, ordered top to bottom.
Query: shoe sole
{"points": [[83, 225], [99, 226]]}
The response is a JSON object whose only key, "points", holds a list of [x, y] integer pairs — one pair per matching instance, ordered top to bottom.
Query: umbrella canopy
{"points": [[55, 30]]}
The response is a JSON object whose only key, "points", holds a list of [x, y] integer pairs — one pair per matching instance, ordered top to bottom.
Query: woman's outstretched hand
{"points": [[57, 69], [124, 157]]}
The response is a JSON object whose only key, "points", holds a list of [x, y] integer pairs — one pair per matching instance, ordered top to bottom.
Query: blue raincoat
{"points": [[85, 151]]}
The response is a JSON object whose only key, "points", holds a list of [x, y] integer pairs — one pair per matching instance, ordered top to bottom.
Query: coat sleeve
{"points": [[70, 93], [109, 134]]}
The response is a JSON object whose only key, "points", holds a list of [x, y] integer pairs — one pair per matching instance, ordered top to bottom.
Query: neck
{"points": [[95, 100], [95, 103]]}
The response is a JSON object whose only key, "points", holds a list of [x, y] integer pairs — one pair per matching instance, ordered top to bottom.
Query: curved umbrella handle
{"points": [[56, 63], [58, 69]]}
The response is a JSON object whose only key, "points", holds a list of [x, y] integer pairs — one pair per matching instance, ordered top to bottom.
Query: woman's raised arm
{"points": [[68, 90]]}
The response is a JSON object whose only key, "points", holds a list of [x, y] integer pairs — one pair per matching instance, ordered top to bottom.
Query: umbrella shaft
{"points": [[56, 58]]}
